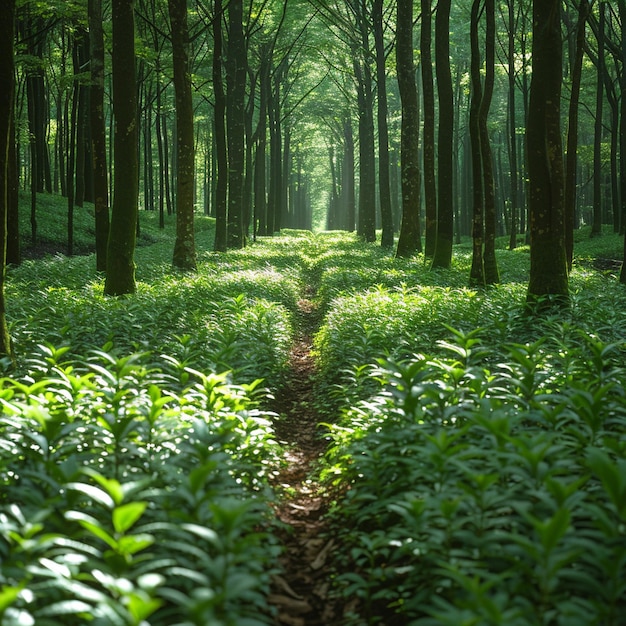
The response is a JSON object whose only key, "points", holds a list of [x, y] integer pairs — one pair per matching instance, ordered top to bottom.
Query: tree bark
{"points": [[7, 80], [235, 121], [98, 133], [572, 133], [221, 155], [430, 179], [384, 190], [445, 193], [514, 227], [596, 227], [409, 241], [184, 257], [548, 262], [477, 271], [492, 275], [120, 277]]}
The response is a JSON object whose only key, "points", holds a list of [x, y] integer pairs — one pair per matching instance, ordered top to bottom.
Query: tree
{"points": [[7, 80], [428, 95], [235, 121], [383, 131], [572, 132], [98, 133], [221, 186], [445, 196], [409, 241], [184, 248], [548, 263], [120, 276]]}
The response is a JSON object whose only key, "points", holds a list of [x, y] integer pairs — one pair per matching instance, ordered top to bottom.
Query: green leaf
{"points": [[93, 492], [126, 515], [8, 595]]}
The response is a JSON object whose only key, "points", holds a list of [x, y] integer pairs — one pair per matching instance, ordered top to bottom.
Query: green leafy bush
{"points": [[488, 494]]}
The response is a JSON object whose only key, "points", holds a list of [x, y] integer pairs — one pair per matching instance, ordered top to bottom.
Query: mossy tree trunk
{"points": [[7, 80], [428, 91], [98, 133], [445, 193], [409, 241], [184, 247], [548, 263], [120, 276]]}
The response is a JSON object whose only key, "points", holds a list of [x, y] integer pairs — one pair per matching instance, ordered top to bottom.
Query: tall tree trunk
{"points": [[622, 13], [7, 80], [235, 120], [98, 133], [71, 144], [367, 163], [571, 166], [514, 174], [430, 179], [348, 184], [221, 185], [384, 189], [260, 191], [445, 193], [596, 227], [409, 241], [14, 253], [184, 257], [548, 262], [477, 271], [492, 275], [120, 278]]}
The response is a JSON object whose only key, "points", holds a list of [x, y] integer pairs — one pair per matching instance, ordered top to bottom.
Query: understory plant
{"points": [[486, 488], [133, 491]]}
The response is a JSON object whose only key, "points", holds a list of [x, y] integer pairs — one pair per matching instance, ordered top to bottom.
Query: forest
{"points": [[312, 312]]}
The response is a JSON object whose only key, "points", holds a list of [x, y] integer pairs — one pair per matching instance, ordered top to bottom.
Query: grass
{"points": [[476, 453]]}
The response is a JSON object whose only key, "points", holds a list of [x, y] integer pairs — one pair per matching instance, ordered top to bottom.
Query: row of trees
{"points": [[265, 112]]}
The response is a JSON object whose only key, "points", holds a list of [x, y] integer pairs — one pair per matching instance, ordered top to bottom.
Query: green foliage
{"points": [[486, 484], [128, 493]]}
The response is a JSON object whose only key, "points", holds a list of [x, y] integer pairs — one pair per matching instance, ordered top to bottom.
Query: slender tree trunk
{"points": [[622, 13], [7, 80], [235, 120], [383, 131], [98, 133], [572, 133], [71, 157], [430, 179], [349, 184], [221, 185], [260, 191], [445, 193], [514, 227], [596, 227], [409, 241], [14, 253], [184, 257], [548, 262], [477, 271], [492, 275], [120, 277]]}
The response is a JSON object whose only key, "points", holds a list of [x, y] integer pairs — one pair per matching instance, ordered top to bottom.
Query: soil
{"points": [[301, 594]]}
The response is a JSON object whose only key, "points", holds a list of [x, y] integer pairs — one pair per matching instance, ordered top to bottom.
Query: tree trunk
{"points": [[622, 13], [7, 80], [235, 120], [98, 133], [572, 133], [430, 179], [348, 183], [221, 185], [384, 190], [445, 193], [514, 227], [596, 227], [409, 241], [14, 253], [184, 257], [548, 263], [491, 265], [477, 271], [120, 278]]}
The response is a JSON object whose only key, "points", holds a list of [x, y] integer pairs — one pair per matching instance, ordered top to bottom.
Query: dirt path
{"points": [[300, 595]]}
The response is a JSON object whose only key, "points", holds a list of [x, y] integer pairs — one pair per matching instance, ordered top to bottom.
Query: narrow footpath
{"points": [[300, 594]]}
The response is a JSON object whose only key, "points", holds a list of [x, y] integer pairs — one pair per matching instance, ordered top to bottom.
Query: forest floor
{"points": [[301, 592]]}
